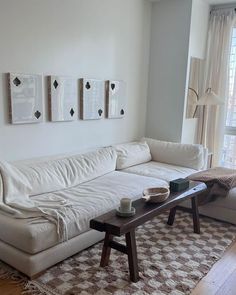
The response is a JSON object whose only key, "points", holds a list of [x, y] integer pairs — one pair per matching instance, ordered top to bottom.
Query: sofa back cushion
{"points": [[130, 154], [185, 155], [56, 174]]}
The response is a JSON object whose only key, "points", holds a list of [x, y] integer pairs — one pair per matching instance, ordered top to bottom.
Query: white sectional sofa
{"points": [[93, 183]]}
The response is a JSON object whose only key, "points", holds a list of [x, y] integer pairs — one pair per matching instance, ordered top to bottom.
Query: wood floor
{"points": [[221, 280], [7, 287]]}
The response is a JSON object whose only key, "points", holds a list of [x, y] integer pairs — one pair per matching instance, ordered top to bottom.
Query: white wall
{"points": [[199, 28], [170, 31], [83, 38], [189, 131]]}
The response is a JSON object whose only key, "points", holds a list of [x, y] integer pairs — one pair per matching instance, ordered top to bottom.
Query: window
{"points": [[228, 158]]}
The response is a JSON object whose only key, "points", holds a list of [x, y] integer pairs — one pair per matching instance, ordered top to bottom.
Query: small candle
{"points": [[125, 205]]}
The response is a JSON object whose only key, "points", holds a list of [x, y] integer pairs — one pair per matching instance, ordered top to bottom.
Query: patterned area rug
{"points": [[171, 261]]}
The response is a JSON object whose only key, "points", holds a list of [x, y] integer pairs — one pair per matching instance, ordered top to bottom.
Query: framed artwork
{"points": [[63, 98], [92, 99], [115, 99], [26, 102]]}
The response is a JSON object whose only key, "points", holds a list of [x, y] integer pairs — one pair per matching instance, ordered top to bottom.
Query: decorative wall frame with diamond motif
{"points": [[63, 98], [92, 99], [115, 99], [26, 101]]}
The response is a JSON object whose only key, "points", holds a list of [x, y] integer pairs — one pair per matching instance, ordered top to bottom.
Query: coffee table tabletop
{"points": [[144, 211], [114, 225]]}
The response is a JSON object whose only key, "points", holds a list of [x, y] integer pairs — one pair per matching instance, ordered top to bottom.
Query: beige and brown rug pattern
{"points": [[171, 260]]}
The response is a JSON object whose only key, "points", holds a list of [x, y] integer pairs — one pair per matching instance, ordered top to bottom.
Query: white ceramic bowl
{"points": [[156, 194]]}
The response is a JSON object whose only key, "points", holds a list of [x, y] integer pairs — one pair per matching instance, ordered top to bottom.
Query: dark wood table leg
{"points": [[171, 218], [196, 222], [106, 250], [132, 255]]}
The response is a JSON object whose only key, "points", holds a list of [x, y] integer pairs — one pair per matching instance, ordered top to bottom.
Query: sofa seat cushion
{"points": [[161, 171], [90, 199], [226, 202]]}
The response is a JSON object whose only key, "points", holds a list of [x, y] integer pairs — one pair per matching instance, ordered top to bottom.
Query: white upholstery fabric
{"points": [[131, 154], [185, 155], [162, 171], [58, 174], [22, 182], [25, 185], [90, 185], [16, 188], [89, 199], [227, 202], [17, 203], [2, 205], [222, 208], [34, 264]]}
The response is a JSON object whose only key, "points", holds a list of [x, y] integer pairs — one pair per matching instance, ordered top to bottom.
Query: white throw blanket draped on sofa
{"points": [[29, 191], [15, 201]]}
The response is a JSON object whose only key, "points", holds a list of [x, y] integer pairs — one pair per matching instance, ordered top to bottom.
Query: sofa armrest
{"points": [[179, 154], [205, 155]]}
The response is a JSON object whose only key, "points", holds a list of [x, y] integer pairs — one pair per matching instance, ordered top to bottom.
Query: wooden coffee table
{"points": [[113, 225]]}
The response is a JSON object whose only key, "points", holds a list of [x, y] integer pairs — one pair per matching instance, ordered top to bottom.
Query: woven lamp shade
{"points": [[209, 98]]}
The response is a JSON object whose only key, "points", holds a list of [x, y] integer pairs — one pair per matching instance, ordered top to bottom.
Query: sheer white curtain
{"points": [[216, 77]]}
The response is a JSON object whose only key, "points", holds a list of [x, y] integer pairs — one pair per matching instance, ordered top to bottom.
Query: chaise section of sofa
{"points": [[171, 161], [223, 208]]}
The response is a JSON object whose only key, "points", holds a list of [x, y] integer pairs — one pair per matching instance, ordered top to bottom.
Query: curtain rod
{"points": [[224, 6], [221, 8]]}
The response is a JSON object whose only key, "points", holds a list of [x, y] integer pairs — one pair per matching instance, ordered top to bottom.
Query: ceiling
{"points": [[212, 1], [220, 1]]}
